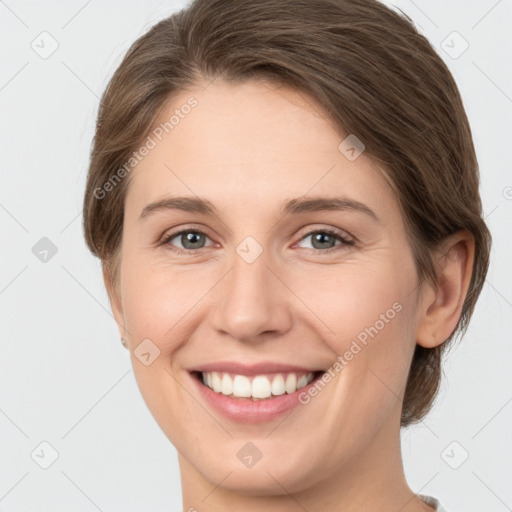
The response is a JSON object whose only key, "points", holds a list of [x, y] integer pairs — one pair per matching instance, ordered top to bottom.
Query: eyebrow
{"points": [[292, 206]]}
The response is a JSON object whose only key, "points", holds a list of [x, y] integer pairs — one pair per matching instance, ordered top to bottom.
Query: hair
{"points": [[376, 77]]}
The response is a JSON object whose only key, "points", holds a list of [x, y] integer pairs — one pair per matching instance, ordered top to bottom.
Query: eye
{"points": [[325, 239], [191, 240]]}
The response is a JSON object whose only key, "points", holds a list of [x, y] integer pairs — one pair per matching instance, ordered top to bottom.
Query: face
{"points": [[269, 286]]}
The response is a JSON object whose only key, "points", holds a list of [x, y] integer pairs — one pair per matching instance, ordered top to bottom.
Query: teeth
{"points": [[302, 381], [216, 382], [291, 383], [226, 385], [243, 387], [257, 387], [260, 387], [278, 387]]}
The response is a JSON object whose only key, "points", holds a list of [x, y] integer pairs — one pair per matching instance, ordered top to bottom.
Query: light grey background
{"points": [[65, 378]]}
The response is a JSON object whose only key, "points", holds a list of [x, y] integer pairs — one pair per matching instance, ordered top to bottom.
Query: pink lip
{"points": [[252, 369], [246, 410]]}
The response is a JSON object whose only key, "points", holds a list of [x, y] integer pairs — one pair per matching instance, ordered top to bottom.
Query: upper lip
{"points": [[252, 369]]}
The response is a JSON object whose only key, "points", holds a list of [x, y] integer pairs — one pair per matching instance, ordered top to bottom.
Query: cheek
{"points": [[157, 300], [361, 302], [370, 317], [373, 319]]}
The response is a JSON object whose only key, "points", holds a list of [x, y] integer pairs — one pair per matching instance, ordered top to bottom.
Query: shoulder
{"points": [[429, 500]]}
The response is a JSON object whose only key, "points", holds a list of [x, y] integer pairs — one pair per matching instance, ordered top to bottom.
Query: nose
{"points": [[252, 303]]}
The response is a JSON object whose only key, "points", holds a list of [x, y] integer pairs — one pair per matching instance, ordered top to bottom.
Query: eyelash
{"points": [[344, 241]]}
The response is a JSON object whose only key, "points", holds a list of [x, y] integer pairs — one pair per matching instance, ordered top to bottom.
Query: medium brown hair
{"points": [[375, 76]]}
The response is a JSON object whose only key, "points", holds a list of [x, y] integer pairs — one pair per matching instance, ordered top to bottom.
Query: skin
{"points": [[247, 148]]}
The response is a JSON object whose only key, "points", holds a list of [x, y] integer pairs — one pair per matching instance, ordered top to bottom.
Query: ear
{"points": [[115, 300], [440, 308]]}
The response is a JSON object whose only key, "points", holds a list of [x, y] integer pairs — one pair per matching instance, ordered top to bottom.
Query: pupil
{"points": [[322, 237], [191, 238]]}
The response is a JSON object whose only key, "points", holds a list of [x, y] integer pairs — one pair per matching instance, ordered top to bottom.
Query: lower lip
{"points": [[246, 410]]}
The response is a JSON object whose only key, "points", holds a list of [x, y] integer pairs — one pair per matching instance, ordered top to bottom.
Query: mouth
{"points": [[256, 387], [253, 398]]}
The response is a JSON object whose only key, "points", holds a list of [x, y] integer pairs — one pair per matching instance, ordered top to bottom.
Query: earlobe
{"points": [[440, 308]]}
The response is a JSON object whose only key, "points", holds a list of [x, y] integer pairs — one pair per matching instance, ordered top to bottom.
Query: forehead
{"points": [[254, 143]]}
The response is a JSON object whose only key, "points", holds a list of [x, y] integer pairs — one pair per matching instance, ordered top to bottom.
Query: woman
{"points": [[234, 141]]}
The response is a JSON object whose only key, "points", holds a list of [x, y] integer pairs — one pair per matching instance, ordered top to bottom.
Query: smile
{"points": [[257, 387], [253, 394]]}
